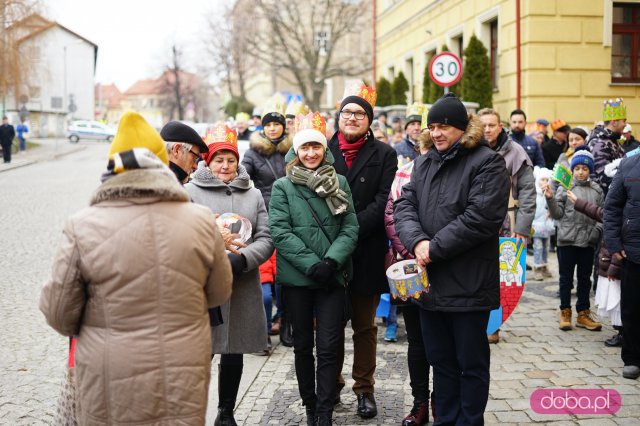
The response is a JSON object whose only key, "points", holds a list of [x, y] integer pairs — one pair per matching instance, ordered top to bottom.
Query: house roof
{"points": [[34, 25], [157, 86], [109, 94]]}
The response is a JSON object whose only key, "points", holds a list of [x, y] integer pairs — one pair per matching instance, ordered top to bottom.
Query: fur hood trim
{"points": [[474, 133], [265, 147], [141, 183]]}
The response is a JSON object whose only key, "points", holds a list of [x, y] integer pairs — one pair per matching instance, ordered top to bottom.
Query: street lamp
{"points": [[65, 102]]}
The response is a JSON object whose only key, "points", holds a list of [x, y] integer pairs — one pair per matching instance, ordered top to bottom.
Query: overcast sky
{"points": [[133, 36]]}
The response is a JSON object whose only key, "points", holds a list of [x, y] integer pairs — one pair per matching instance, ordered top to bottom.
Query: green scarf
{"points": [[324, 182]]}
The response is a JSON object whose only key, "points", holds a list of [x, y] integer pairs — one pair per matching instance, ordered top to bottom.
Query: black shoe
{"points": [[614, 342], [367, 405], [311, 416], [225, 417], [323, 421]]}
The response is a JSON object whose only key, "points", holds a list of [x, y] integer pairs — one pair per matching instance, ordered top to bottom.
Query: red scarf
{"points": [[350, 149]]}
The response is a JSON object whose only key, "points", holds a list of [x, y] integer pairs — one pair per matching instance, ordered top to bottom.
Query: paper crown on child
{"points": [[361, 90], [275, 103], [296, 107], [614, 110], [242, 116], [309, 128], [218, 138]]}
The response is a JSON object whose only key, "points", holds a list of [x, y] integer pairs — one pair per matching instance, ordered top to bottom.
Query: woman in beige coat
{"points": [[132, 279]]}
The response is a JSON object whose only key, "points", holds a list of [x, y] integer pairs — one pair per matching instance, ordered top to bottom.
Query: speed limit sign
{"points": [[445, 69]]}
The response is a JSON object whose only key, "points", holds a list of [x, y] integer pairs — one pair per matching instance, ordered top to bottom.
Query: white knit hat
{"points": [[309, 128]]}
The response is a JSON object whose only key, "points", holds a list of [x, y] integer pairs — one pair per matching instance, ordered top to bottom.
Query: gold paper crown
{"points": [[358, 88], [275, 104], [296, 107], [415, 109], [614, 110], [242, 116], [313, 121], [424, 123], [221, 134]]}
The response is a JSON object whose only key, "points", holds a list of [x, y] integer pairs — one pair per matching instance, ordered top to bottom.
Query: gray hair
{"points": [[183, 146]]}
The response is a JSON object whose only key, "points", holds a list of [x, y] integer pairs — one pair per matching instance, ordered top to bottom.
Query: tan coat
{"points": [[133, 278]]}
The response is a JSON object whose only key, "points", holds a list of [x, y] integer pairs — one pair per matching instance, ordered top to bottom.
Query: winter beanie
{"points": [[353, 99], [449, 110], [274, 116], [135, 132], [584, 157]]}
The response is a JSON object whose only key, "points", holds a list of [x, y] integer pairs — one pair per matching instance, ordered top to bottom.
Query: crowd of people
{"points": [[186, 246]]}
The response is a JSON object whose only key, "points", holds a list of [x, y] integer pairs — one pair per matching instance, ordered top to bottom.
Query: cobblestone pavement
{"points": [[34, 203]]}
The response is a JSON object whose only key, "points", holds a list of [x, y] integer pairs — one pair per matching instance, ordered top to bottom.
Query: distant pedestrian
{"points": [[518, 122], [22, 129], [7, 133], [577, 138], [603, 141], [630, 142], [552, 149], [223, 185], [543, 227], [315, 230], [454, 234], [622, 237], [577, 238], [132, 279]]}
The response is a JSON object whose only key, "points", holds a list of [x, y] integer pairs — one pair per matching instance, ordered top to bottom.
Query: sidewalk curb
{"points": [[37, 160]]}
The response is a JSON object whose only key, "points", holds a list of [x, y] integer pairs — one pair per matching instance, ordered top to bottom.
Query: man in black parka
{"points": [[369, 166], [449, 216]]}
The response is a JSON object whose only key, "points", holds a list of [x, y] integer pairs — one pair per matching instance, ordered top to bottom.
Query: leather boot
{"points": [[565, 319], [228, 384], [419, 414]]}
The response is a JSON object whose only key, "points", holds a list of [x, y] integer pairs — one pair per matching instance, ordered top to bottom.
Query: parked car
{"points": [[93, 130]]}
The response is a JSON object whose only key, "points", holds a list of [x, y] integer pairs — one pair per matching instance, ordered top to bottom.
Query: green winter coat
{"points": [[298, 239]]}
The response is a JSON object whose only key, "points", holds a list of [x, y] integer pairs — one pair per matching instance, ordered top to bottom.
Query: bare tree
{"points": [[227, 41], [306, 42], [14, 68]]}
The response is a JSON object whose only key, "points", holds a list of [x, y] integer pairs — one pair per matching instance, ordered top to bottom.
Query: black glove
{"points": [[238, 263], [323, 272]]}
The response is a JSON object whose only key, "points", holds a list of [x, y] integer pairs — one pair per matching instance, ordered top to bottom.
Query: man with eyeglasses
{"points": [[184, 146], [369, 166]]}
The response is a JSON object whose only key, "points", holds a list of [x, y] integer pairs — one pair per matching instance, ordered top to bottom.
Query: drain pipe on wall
{"points": [[375, 47], [518, 65]]}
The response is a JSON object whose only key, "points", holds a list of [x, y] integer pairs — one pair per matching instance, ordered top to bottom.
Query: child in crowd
{"points": [[543, 227], [577, 238]]}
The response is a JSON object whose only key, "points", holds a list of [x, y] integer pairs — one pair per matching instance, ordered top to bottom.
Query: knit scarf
{"points": [[350, 149], [569, 153], [137, 158], [324, 182]]}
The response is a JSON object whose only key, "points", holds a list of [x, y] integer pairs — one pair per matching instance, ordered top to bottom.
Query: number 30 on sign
{"points": [[445, 69]]}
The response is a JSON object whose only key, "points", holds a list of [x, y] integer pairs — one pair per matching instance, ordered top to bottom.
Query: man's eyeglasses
{"points": [[359, 115], [195, 155]]}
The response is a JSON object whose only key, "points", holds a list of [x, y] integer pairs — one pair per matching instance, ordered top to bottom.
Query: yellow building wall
{"points": [[565, 58]]}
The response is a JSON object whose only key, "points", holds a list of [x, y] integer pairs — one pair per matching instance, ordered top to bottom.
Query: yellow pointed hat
{"points": [[135, 132]]}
